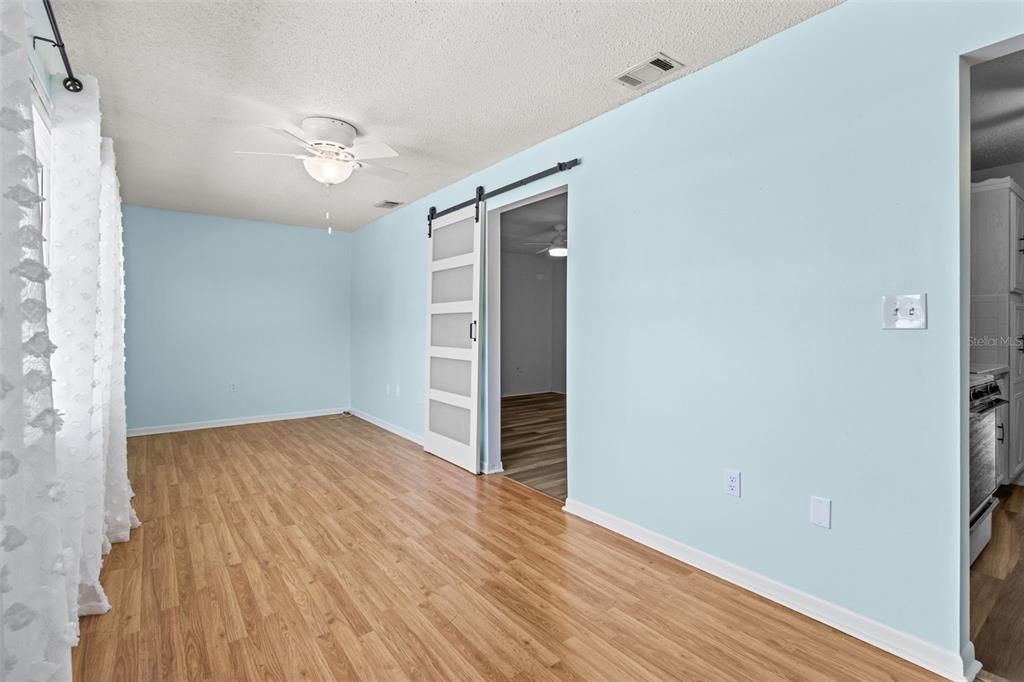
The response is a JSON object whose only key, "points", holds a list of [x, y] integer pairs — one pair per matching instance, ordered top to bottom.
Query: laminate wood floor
{"points": [[533, 442], [327, 549], [997, 591]]}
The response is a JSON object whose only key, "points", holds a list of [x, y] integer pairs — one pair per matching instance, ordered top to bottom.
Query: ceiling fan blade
{"points": [[288, 135], [372, 150], [291, 156], [382, 172], [536, 244], [544, 250]]}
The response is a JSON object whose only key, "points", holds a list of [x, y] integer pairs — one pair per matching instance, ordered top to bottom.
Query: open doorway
{"points": [[528, 259], [996, 355]]}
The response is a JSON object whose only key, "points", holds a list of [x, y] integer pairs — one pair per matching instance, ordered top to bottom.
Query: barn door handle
{"points": [[472, 330], [1002, 433]]}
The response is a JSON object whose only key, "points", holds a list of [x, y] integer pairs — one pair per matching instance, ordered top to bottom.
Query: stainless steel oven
{"points": [[985, 400]]}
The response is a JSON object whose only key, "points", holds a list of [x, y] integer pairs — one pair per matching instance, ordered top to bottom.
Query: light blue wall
{"points": [[779, 192], [213, 302]]}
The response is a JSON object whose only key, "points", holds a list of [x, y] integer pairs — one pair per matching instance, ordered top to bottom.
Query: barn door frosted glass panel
{"points": [[454, 239], [454, 284], [451, 330], [451, 376], [451, 421]]}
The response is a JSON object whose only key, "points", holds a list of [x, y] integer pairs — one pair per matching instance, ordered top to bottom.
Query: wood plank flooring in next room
{"points": [[533, 442], [328, 549], [997, 591]]}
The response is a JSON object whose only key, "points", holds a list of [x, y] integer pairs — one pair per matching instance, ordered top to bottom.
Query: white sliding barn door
{"points": [[452, 429]]}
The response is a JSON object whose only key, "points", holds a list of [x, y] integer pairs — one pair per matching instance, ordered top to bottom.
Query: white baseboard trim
{"points": [[528, 393], [234, 421], [388, 426], [495, 469], [948, 664], [972, 669]]}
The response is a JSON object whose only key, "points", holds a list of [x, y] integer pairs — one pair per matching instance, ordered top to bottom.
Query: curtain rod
{"points": [[71, 84], [481, 195]]}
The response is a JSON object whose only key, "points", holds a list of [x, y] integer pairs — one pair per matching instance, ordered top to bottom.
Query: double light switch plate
{"points": [[905, 311]]}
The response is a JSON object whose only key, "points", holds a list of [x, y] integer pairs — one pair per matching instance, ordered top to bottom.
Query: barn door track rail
{"points": [[482, 196]]}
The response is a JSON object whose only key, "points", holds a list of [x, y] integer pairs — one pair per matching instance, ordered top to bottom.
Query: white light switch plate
{"points": [[905, 311], [821, 511]]}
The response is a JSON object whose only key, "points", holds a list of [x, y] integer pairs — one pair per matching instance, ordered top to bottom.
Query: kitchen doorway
{"points": [[992, 129], [525, 345]]}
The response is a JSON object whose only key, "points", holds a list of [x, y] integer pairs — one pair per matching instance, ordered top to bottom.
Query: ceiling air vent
{"points": [[645, 73], [630, 81], [388, 204]]}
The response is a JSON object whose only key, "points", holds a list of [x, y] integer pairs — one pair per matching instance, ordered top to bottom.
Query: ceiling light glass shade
{"points": [[328, 171], [558, 251]]}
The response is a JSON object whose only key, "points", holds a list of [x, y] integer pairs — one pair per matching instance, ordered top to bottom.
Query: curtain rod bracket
{"points": [[35, 39], [71, 84]]}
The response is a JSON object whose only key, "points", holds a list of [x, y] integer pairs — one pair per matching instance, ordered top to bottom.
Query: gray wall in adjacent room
{"points": [[532, 324]]}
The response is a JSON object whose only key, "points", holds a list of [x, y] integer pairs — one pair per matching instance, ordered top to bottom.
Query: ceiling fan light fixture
{"points": [[328, 171], [558, 251]]}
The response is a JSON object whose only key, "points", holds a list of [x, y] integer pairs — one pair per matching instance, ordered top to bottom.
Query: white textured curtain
{"points": [[74, 263], [87, 324], [118, 512], [36, 631]]}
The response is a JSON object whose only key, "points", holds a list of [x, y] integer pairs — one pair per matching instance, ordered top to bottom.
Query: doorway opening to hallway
{"points": [[528, 260]]}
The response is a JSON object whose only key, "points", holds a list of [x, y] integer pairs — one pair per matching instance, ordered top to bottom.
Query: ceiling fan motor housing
{"points": [[330, 130]]}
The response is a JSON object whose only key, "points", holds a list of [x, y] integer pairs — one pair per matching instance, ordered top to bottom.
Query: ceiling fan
{"points": [[332, 154], [558, 244]]}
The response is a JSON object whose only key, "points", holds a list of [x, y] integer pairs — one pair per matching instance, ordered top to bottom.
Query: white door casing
{"points": [[452, 406]]}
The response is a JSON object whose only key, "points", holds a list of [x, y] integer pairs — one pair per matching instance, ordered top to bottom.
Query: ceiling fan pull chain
{"points": [[327, 215]]}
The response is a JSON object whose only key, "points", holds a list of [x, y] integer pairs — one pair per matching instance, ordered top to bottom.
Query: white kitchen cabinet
{"points": [[995, 233], [997, 237], [1016, 240], [997, 276], [997, 305], [1016, 343], [1003, 435], [1003, 438], [1015, 459]]}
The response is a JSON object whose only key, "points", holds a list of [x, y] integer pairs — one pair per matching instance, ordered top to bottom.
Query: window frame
{"points": [[42, 129]]}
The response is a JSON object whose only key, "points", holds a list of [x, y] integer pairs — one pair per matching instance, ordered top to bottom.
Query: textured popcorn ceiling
{"points": [[454, 87], [997, 112]]}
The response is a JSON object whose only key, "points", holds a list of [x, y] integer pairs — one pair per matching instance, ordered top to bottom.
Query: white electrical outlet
{"points": [[732, 482], [821, 511]]}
